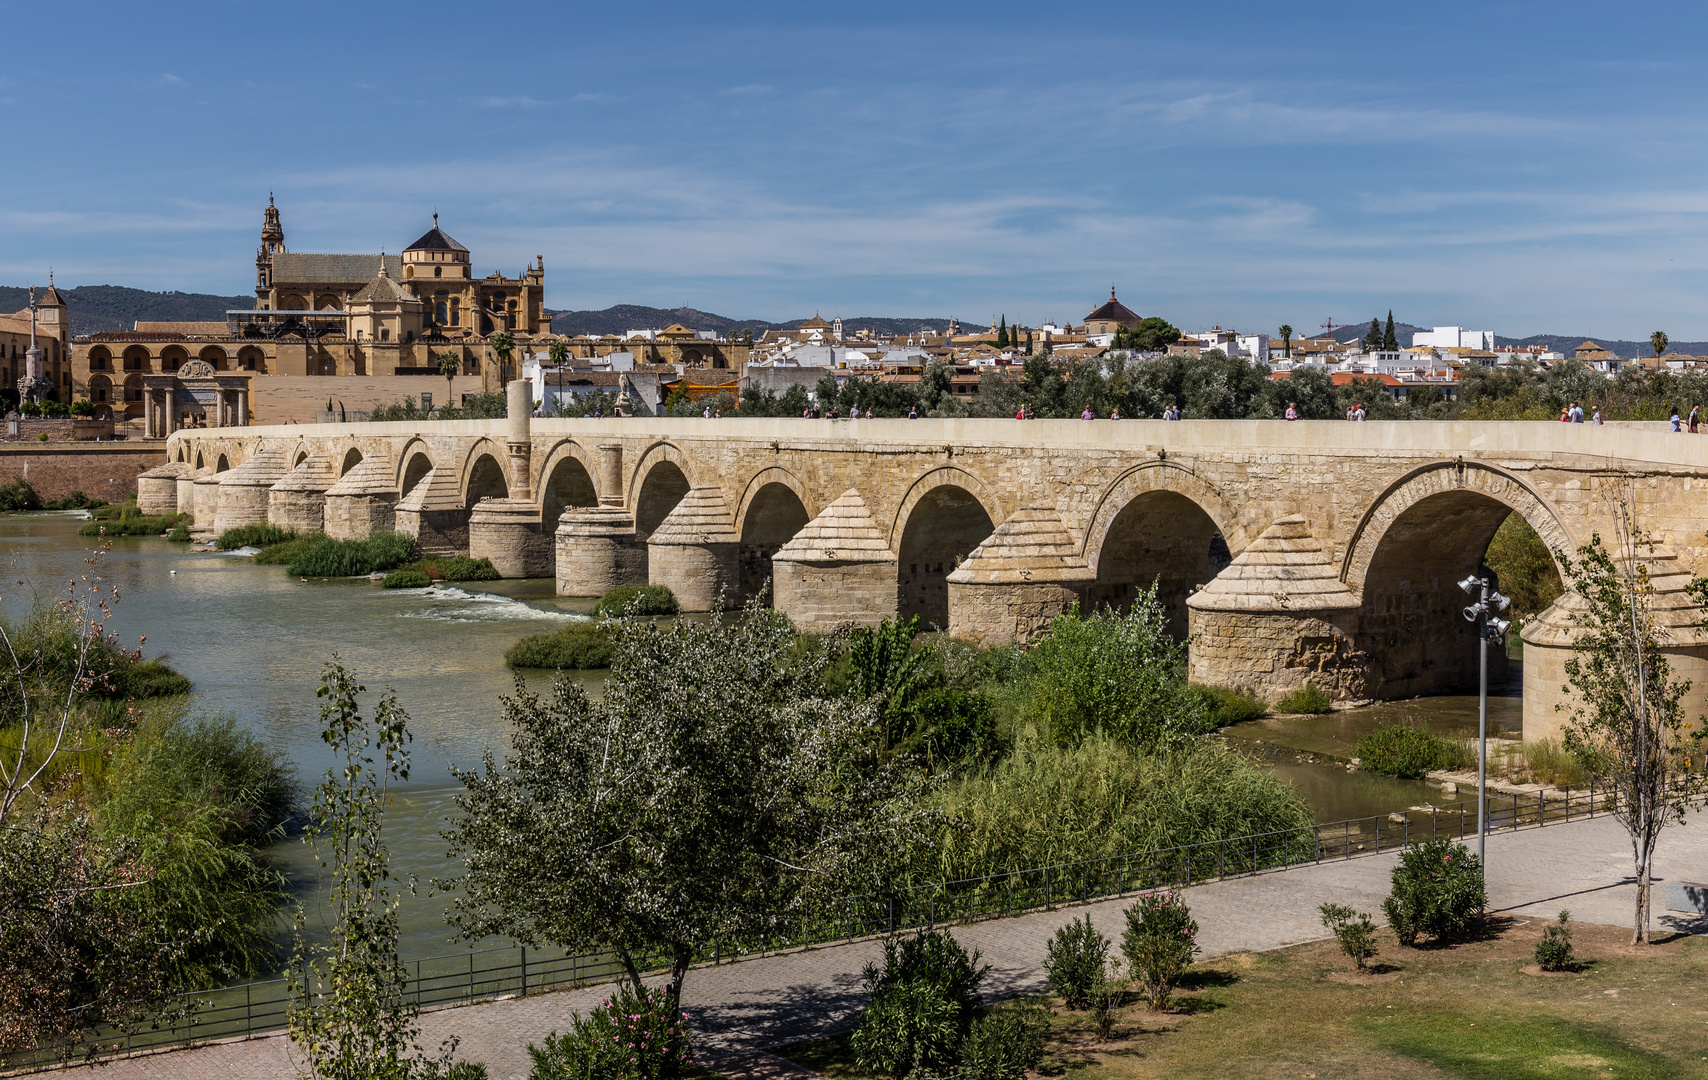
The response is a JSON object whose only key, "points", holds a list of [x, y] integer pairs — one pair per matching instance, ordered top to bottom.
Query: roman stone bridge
{"points": [[1320, 551]]}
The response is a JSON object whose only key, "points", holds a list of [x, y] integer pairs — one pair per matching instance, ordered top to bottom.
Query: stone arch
{"points": [[293, 303], [215, 356], [173, 357], [136, 358], [251, 358], [100, 359], [100, 389], [555, 456], [299, 457], [352, 458], [222, 464], [199, 465], [413, 465], [483, 473], [776, 474], [565, 480], [657, 483], [772, 511], [946, 514], [1159, 523], [1425, 533]]}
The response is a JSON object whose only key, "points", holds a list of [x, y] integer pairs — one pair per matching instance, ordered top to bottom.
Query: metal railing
{"points": [[261, 1008]]}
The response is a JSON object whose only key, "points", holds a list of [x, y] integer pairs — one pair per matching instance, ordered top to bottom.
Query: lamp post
{"points": [[1486, 613]]}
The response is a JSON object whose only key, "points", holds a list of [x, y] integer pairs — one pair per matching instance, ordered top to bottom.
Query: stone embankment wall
{"points": [[106, 471]]}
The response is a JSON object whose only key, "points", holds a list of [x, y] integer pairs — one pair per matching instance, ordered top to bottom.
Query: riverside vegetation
{"points": [[132, 834]]}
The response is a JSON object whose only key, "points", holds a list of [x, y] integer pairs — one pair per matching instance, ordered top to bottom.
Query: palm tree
{"points": [[1287, 340], [1657, 341], [502, 346], [558, 353], [449, 361]]}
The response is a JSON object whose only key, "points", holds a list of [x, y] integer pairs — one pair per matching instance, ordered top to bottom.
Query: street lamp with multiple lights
{"points": [[1487, 612]]}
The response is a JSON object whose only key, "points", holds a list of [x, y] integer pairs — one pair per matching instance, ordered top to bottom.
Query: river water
{"points": [[254, 641]]}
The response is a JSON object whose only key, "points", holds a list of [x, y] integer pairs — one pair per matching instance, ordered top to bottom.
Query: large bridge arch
{"points": [[413, 465], [483, 475], [568, 477], [660, 478], [773, 508], [945, 515], [1159, 522], [1422, 535]]}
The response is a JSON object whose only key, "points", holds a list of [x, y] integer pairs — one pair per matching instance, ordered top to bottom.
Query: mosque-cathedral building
{"points": [[342, 315]]}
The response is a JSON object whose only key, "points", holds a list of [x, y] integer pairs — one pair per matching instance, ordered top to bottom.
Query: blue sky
{"points": [[1523, 166]]}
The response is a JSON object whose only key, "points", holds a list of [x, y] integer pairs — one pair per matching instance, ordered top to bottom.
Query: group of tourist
{"points": [[1695, 418]]}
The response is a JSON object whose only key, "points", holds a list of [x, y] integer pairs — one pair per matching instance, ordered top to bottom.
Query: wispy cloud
{"points": [[169, 79], [749, 90], [512, 103]]}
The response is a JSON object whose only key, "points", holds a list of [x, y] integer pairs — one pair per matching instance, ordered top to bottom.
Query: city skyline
{"points": [[1514, 168]]}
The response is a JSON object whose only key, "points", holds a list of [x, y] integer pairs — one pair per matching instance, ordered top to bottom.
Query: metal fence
{"points": [[482, 975]]}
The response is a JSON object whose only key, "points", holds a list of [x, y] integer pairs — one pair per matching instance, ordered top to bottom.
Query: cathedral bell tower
{"points": [[272, 242]]}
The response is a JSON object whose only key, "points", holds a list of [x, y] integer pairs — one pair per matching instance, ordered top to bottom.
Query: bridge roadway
{"points": [[1320, 551]]}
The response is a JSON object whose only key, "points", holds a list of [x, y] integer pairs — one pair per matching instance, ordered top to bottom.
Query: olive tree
{"points": [[1630, 717], [710, 800]]}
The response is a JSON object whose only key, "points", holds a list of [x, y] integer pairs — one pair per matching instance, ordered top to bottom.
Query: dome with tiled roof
{"points": [[435, 239], [1113, 311]]}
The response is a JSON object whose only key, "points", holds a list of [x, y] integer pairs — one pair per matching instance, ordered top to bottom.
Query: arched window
{"points": [[438, 271], [456, 312], [439, 313]]}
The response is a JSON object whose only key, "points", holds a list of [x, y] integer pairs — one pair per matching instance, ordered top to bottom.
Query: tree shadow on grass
{"points": [[1204, 978]]}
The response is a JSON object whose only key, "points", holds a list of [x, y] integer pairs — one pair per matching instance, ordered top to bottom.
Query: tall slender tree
{"points": [[1286, 332], [1002, 334], [1373, 339], [1390, 340], [1658, 341], [1630, 717]]}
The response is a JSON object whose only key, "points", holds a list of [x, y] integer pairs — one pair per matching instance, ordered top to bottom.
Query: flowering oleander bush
{"points": [[1437, 890], [1160, 941], [923, 1002], [632, 1036]]}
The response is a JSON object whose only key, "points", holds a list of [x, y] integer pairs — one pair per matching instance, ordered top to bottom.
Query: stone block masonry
{"points": [[105, 471], [1316, 550]]}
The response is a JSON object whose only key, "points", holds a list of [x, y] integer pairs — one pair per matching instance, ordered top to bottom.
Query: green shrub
{"points": [[82, 407], [18, 494], [74, 501], [126, 519], [180, 534], [260, 534], [285, 552], [353, 558], [462, 568], [406, 579], [637, 600], [578, 646], [1120, 674], [149, 679], [1309, 698], [1226, 706], [953, 727], [1408, 752], [1547, 761], [200, 800], [1042, 804], [1437, 890], [1353, 929], [1159, 943], [1554, 951], [1074, 962], [920, 1006], [630, 1036], [1004, 1043]]}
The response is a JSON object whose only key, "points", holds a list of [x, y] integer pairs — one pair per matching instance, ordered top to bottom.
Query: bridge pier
{"points": [[157, 489], [244, 491], [363, 501], [206, 502], [297, 503], [435, 514], [508, 532], [597, 547], [694, 551], [837, 571], [1018, 580], [1276, 618], [1550, 640]]}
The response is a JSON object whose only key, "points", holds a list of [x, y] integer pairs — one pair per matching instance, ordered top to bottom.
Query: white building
{"points": [[1453, 337]]}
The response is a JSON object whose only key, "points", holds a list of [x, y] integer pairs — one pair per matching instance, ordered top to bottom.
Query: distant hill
{"points": [[95, 308], [625, 317], [1403, 331], [1568, 343]]}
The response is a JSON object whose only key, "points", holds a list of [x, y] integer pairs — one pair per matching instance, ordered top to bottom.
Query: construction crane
{"points": [[1331, 326]]}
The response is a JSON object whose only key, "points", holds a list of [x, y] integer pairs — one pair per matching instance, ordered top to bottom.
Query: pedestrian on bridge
{"points": [[1292, 410], [1694, 411], [1086, 415]]}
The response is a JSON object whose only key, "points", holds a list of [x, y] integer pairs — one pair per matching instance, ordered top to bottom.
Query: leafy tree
{"points": [[1286, 333], [1153, 334], [1373, 339], [1390, 340], [1658, 341], [1028, 343], [935, 384], [1044, 386], [1219, 387], [1312, 390], [885, 669], [1630, 716], [704, 802], [355, 1019]]}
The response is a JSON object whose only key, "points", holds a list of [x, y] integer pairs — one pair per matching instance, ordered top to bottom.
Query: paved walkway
{"points": [[742, 1007]]}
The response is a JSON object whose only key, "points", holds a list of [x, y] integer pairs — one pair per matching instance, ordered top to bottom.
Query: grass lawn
{"points": [[1466, 1011]]}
